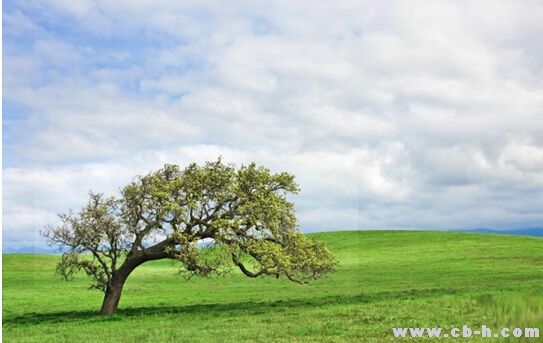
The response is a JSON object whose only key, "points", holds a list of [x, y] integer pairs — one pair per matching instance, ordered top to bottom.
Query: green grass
{"points": [[385, 279]]}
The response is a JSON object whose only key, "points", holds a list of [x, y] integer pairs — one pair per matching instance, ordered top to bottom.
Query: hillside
{"points": [[385, 279]]}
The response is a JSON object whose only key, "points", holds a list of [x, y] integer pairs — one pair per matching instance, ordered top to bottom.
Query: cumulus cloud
{"points": [[390, 115]]}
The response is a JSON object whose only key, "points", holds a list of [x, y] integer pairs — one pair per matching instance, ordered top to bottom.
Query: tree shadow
{"points": [[229, 309]]}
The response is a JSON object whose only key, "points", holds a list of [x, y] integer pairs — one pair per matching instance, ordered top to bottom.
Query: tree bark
{"points": [[115, 288], [113, 295], [111, 301]]}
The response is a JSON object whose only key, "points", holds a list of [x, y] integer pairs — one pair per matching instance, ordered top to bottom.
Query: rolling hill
{"points": [[385, 279]]}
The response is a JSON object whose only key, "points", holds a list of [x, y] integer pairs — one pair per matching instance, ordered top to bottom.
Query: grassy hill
{"points": [[385, 279]]}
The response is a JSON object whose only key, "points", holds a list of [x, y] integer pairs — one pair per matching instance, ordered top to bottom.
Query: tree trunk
{"points": [[115, 287], [112, 297]]}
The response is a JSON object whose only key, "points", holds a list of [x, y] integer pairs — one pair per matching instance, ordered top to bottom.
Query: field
{"points": [[384, 279]]}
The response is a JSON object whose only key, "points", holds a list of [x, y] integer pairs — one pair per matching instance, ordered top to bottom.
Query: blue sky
{"points": [[391, 116]]}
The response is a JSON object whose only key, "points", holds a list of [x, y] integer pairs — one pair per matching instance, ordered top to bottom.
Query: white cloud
{"points": [[390, 115], [523, 155]]}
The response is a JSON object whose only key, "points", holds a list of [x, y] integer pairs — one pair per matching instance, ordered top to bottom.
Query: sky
{"points": [[391, 114]]}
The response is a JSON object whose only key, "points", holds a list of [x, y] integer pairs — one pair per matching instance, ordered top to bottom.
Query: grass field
{"points": [[384, 279]]}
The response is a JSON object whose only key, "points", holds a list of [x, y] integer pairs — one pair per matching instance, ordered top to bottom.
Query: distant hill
{"points": [[538, 232], [29, 250]]}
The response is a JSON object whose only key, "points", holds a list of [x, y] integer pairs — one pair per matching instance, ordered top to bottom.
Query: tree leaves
{"points": [[243, 212]]}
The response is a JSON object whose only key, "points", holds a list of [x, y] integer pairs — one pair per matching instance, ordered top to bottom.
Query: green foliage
{"points": [[245, 211], [97, 230], [71, 263]]}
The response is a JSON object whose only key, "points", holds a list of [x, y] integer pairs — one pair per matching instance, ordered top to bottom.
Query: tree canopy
{"points": [[211, 218]]}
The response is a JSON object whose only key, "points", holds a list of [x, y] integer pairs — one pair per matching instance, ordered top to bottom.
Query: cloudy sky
{"points": [[420, 114]]}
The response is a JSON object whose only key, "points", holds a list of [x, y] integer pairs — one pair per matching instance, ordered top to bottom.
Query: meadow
{"points": [[384, 279]]}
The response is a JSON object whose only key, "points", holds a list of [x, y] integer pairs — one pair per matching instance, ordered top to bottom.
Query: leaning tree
{"points": [[211, 218]]}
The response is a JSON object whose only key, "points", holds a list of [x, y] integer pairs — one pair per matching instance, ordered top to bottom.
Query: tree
{"points": [[242, 213]]}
